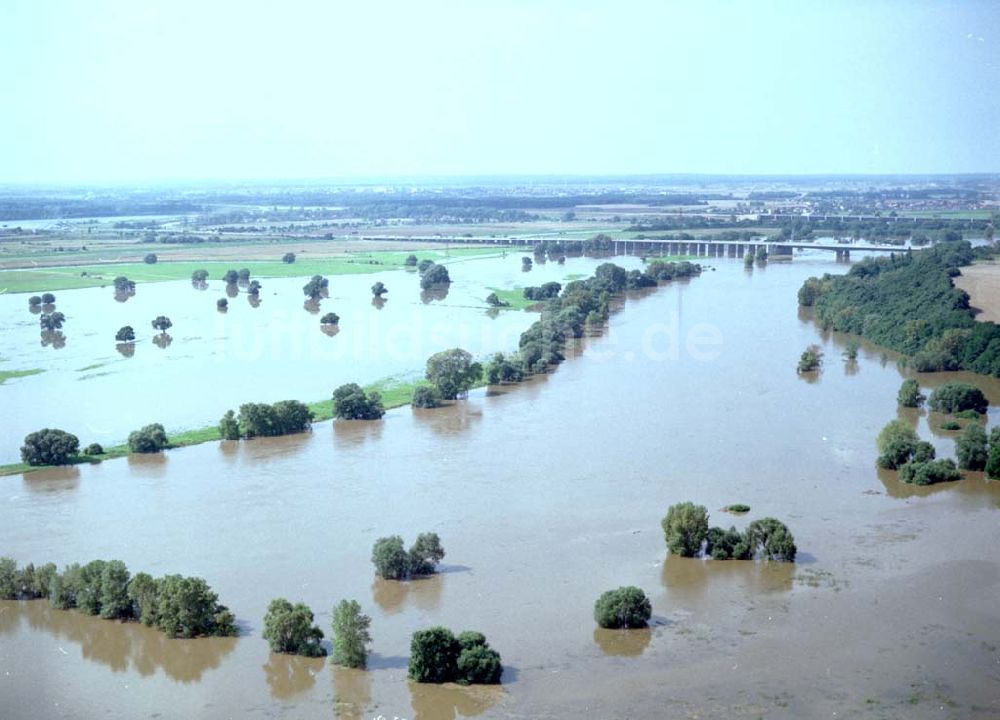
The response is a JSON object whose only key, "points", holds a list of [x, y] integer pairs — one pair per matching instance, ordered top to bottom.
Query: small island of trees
{"points": [[686, 530], [392, 562], [626, 607], [437, 656]]}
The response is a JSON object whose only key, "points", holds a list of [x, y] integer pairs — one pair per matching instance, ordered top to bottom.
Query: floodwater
{"points": [[264, 350], [545, 495]]}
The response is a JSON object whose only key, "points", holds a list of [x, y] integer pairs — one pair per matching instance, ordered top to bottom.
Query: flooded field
{"points": [[209, 361], [544, 495]]}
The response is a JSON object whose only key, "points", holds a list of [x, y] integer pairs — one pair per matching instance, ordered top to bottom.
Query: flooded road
{"points": [[545, 495]]}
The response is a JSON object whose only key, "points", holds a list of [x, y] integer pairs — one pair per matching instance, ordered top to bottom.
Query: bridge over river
{"points": [[638, 246]]}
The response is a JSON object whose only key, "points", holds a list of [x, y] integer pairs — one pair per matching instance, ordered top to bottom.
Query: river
{"points": [[545, 495]]}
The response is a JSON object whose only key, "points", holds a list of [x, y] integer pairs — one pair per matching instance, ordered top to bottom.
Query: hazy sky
{"points": [[138, 89]]}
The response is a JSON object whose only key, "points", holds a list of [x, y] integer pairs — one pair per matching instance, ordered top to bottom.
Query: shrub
{"points": [[288, 257], [150, 259], [411, 261], [423, 265], [199, 276], [48, 298], [34, 301], [222, 304], [331, 318], [811, 359], [909, 394], [426, 396], [955, 397], [951, 425], [150, 439], [896, 444], [49, 446], [970, 448], [93, 449], [993, 462], [930, 472], [738, 508], [684, 527], [772, 539], [727, 544], [626, 607], [289, 629], [433, 656], [478, 663]]}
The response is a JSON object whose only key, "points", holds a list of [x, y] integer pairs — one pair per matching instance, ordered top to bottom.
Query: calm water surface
{"points": [[545, 495]]}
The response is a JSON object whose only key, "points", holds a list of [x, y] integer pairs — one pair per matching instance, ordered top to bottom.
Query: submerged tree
{"points": [[379, 289], [162, 323], [125, 334], [909, 394], [685, 526], [626, 607], [289, 629], [350, 634]]}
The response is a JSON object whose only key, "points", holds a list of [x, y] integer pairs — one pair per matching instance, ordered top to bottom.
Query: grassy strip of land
{"points": [[84, 276], [514, 298], [8, 374], [395, 393]]}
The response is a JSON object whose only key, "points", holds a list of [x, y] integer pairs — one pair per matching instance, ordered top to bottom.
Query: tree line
{"points": [[908, 303]]}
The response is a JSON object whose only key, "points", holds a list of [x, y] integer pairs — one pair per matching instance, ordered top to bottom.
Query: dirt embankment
{"points": [[982, 282]]}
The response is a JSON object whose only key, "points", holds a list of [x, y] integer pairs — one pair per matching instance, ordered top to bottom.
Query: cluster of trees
{"points": [[432, 275], [316, 286], [547, 291], [907, 302], [50, 322], [426, 397], [957, 397], [351, 402], [284, 417], [149, 439], [49, 446], [901, 449], [686, 529], [392, 562], [179, 606], [626, 607], [437, 656]]}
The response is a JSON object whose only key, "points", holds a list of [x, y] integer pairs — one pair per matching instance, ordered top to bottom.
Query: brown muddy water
{"points": [[545, 495]]}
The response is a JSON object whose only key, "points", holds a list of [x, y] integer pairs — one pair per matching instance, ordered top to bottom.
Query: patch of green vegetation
{"points": [[574, 276], [71, 277], [514, 298], [85, 368], [8, 374], [91, 376], [395, 393], [968, 415], [951, 425], [737, 508]]}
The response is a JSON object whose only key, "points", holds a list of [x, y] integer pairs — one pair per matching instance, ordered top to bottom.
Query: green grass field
{"points": [[83, 276], [514, 298], [9, 374]]}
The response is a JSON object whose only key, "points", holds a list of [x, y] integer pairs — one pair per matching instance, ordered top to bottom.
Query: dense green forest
{"points": [[908, 303]]}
